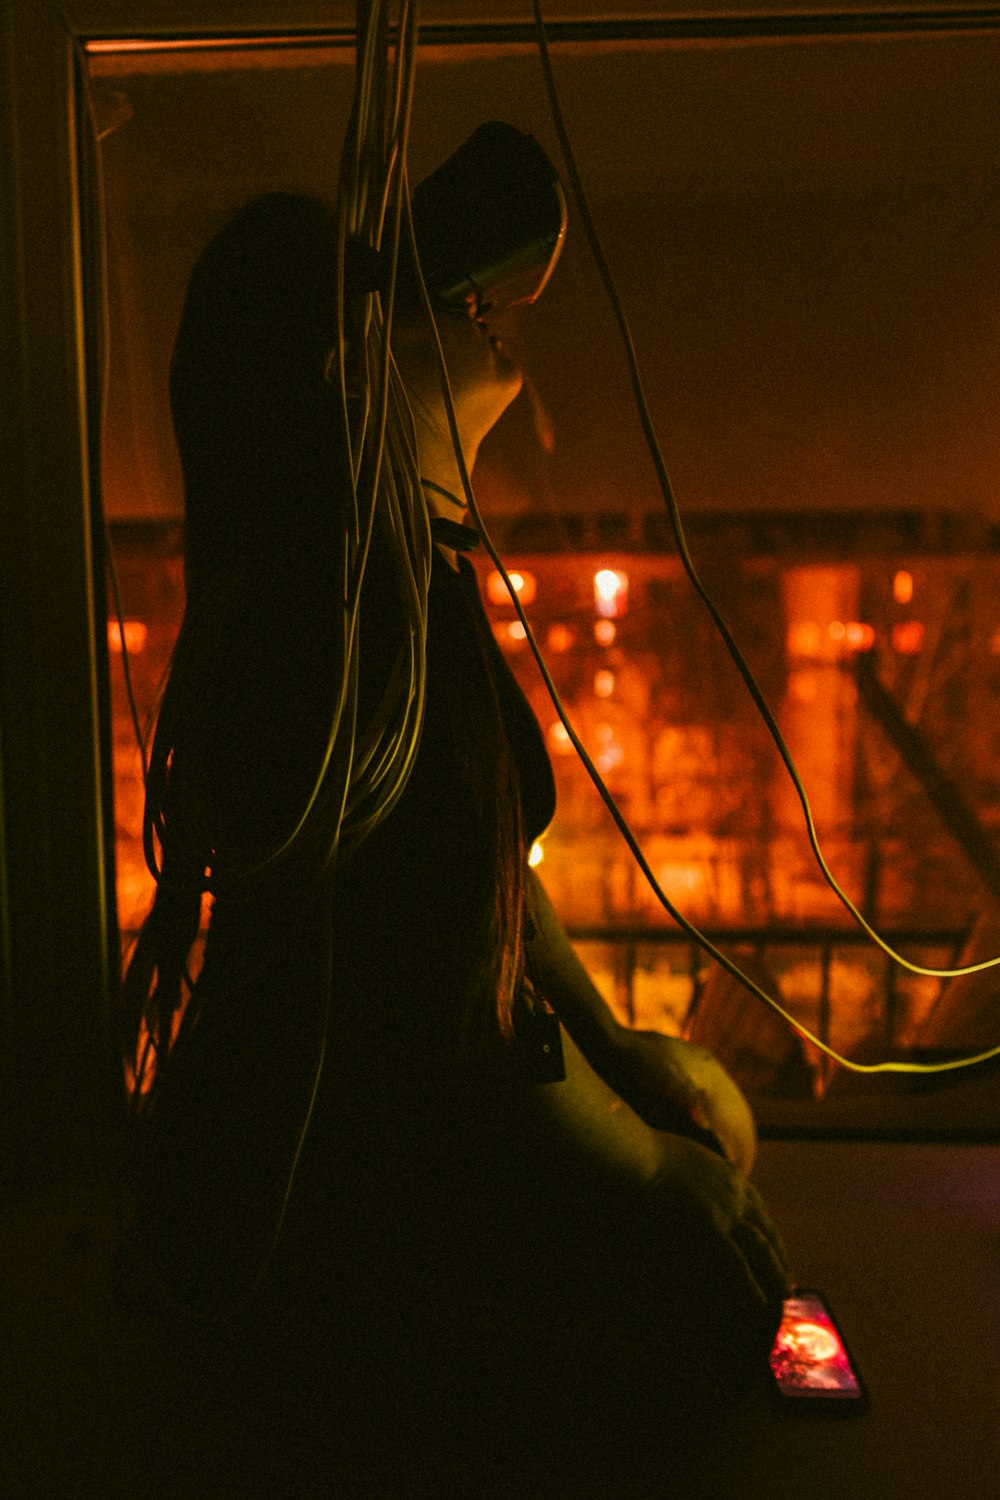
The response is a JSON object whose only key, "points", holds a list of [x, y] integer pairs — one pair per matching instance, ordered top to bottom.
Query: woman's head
{"points": [[254, 418], [245, 719]]}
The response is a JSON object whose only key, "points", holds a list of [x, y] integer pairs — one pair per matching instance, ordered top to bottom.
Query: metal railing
{"points": [[824, 942]]}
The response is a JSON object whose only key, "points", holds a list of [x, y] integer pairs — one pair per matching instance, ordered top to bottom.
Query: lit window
{"points": [[524, 586], [902, 587], [610, 593], [516, 632], [604, 632], [135, 633], [854, 635], [858, 636], [560, 637], [908, 637], [804, 638], [604, 684], [803, 686], [559, 740], [611, 754], [609, 759], [681, 879]]}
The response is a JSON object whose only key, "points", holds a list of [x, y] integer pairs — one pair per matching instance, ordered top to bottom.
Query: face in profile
{"points": [[484, 379]]}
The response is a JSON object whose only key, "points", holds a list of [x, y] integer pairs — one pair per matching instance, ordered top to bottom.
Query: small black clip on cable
{"points": [[454, 534]]}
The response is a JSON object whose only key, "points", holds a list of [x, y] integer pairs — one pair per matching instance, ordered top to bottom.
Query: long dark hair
{"points": [[258, 434]]}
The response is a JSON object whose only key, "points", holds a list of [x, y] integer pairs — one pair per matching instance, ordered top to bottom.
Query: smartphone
{"points": [[810, 1365]]}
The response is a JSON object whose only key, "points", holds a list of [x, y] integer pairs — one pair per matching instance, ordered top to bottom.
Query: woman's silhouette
{"points": [[401, 1174]]}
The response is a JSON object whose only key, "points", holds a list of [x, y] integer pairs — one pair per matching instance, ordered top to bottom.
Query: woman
{"points": [[401, 1157]]}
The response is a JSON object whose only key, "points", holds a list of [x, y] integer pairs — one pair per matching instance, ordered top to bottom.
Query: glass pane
{"points": [[804, 237]]}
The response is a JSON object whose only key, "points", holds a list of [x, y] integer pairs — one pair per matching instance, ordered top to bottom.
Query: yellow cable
{"points": [[667, 490], [720, 957]]}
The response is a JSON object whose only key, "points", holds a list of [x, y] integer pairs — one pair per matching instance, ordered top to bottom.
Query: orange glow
{"points": [[188, 44], [189, 53], [525, 586], [902, 587], [610, 592], [516, 632], [605, 632], [136, 634], [854, 635], [858, 636], [560, 637], [908, 637], [804, 638], [604, 684], [803, 686], [559, 740], [610, 756], [681, 878], [146, 1054]]}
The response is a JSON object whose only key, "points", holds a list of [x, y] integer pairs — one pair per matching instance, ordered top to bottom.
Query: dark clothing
{"points": [[399, 1202], [446, 1307]]}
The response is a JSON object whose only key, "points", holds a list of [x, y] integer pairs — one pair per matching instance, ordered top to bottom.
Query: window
{"points": [[804, 237]]}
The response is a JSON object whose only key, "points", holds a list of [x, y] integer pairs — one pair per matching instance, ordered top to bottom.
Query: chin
{"points": [[509, 372], [515, 380], [509, 387]]}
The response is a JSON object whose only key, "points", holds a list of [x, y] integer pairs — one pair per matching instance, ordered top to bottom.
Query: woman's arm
{"points": [[659, 1076], [711, 1216]]}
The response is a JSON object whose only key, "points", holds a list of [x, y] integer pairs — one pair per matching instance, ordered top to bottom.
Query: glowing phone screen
{"points": [[808, 1359]]}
